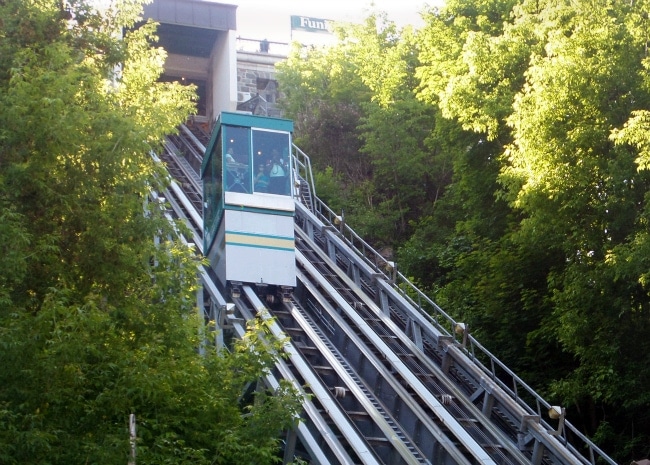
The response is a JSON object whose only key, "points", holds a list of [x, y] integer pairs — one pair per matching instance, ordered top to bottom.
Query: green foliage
{"points": [[473, 63], [550, 84], [323, 98], [355, 110], [506, 157], [408, 174], [328, 189], [97, 319], [78, 372]]}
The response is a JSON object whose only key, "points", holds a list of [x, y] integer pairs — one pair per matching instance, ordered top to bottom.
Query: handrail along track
{"points": [[363, 297]]}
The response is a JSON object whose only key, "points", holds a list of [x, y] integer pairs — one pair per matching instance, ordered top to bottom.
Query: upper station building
{"points": [[203, 49]]}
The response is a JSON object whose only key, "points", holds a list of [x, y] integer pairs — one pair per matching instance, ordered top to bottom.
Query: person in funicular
{"points": [[277, 175], [237, 179], [262, 179]]}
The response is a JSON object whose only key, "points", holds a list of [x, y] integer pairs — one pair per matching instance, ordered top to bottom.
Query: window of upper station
{"points": [[256, 160]]}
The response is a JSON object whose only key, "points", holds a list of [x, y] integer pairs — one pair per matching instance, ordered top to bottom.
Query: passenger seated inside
{"points": [[238, 175], [277, 175], [262, 179]]}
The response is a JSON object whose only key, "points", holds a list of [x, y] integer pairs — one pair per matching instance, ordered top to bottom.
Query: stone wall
{"points": [[257, 89]]}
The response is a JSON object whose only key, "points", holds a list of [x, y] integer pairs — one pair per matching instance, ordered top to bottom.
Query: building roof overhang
{"points": [[190, 27]]}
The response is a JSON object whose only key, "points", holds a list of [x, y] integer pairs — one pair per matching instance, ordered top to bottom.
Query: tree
{"points": [[551, 82], [323, 97], [368, 126], [524, 126], [410, 169], [98, 320]]}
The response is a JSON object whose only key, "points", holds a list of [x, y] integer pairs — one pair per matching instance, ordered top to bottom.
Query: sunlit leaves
{"points": [[472, 62], [562, 88], [323, 97], [531, 128], [636, 132], [97, 294]]}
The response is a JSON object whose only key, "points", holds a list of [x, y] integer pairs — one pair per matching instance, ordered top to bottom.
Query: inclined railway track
{"points": [[385, 387], [420, 396]]}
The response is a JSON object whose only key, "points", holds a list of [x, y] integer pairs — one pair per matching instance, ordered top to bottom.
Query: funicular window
{"points": [[237, 159], [272, 162], [212, 198]]}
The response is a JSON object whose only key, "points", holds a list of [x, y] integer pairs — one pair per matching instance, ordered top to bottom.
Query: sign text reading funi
{"points": [[304, 23]]}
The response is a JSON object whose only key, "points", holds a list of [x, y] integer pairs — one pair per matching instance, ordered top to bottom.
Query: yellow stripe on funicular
{"points": [[253, 240]]}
